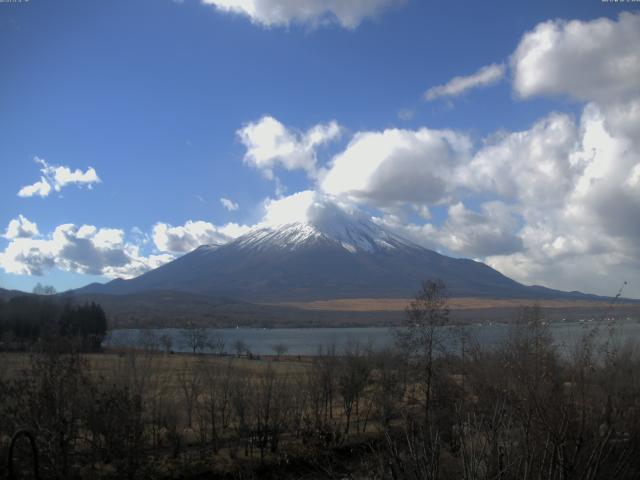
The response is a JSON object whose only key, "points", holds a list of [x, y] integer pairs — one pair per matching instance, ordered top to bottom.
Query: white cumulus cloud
{"points": [[273, 13], [586, 60], [486, 76], [270, 144], [397, 166], [537, 166], [56, 177], [570, 185], [41, 188], [553, 204], [290, 209], [21, 227], [492, 230], [479, 234], [184, 238], [86, 249]]}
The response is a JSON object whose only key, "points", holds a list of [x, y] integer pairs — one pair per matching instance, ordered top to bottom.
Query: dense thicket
{"points": [[24, 320]]}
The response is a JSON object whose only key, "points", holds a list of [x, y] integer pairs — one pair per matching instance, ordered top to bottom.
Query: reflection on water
{"points": [[308, 341]]}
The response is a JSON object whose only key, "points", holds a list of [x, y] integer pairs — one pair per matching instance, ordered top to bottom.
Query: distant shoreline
{"points": [[455, 303]]}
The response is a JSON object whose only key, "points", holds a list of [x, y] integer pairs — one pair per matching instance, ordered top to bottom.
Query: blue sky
{"points": [[153, 96]]}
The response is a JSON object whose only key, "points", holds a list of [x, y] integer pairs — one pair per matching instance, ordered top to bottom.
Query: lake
{"points": [[308, 341]]}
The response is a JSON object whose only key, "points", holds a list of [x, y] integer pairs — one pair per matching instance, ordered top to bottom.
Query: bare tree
{"points": [[40, 289], [421, 336], [195, 338], [148, 340], [420, 340], [167, 342], [217, 344], [240, 347], [279, 349], [135, 371], [353, 376], [323, 378], [190, 384], [389, 385], [59, 391], [216, 394], [240, 401], [300, 402], [160, 404], [270, 408], [117, 425]]}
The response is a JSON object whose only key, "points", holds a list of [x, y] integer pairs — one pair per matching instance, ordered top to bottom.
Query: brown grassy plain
{"points": [[461, 303], [110, 365]]}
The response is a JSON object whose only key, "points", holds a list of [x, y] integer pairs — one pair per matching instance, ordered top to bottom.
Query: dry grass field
{"points": [[462, 303], [114, 365], [175, 391]]}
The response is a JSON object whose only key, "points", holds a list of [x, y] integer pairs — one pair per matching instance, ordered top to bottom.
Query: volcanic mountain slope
{"points": [[335, 254]]}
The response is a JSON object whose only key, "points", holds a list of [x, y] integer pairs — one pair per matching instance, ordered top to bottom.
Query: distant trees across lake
{"points": [[25, 320]]}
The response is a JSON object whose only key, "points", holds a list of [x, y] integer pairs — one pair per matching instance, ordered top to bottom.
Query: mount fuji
{"points": [[330, 253]]}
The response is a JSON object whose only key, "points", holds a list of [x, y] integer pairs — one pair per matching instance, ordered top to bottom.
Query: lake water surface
{"points": [[308, 341]]}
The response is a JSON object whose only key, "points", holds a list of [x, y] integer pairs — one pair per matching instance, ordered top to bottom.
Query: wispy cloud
{"points": [[487, 75], [405, 114], [229, 204]]}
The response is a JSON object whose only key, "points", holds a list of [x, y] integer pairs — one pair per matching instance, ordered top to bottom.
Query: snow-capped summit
{"points": [[324, 222], [310, 247]]}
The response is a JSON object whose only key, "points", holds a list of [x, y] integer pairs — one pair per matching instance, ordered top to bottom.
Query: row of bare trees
{"points": [[198, 339], [428, 408], [524, 409]]}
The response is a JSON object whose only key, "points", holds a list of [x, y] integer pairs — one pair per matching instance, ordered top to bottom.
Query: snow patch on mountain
{"points": [[319, 220], [209, 248]]}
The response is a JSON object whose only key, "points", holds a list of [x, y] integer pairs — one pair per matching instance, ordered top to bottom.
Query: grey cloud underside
{"points": [[273, 13], [391, 183], [482, 234], [82, 253], [36, 263]]}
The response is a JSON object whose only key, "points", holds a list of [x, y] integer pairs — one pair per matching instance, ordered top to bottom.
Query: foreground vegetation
{"points": [[521, 410]]}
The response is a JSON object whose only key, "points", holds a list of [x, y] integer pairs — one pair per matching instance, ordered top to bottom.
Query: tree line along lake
{"points": [[311, 341]]}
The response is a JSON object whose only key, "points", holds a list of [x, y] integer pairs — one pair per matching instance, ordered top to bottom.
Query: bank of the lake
{"points": [[309, 341]]}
